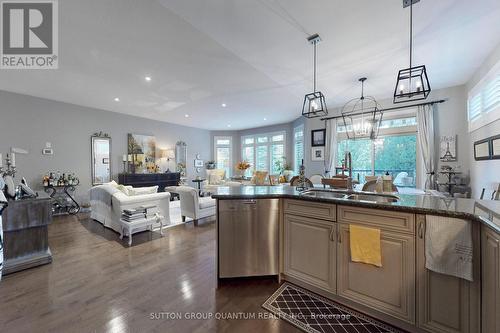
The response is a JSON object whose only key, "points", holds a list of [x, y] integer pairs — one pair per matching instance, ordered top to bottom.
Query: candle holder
{"points": [[11, 169]]}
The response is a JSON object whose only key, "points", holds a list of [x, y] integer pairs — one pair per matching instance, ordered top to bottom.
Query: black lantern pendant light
{"points": [[412, 83], [314, 103]]}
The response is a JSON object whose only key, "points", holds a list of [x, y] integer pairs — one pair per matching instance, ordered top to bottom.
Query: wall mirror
{"points": [[181, 157], [101, 158]]}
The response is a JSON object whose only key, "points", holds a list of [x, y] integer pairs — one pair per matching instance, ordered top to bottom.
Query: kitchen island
{"points": [[313, 244]]}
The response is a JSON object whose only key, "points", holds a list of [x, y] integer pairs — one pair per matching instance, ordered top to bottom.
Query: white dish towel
{"points": [[448, 246]]}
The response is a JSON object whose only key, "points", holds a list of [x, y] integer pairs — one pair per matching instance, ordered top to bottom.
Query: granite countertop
{"points": [[483, 211]]}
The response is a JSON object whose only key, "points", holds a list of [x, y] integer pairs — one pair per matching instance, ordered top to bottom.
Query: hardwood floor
{"points": [[98, 284]]}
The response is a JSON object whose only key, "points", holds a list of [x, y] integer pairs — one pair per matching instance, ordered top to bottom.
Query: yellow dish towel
{"points": [[365, 245]]}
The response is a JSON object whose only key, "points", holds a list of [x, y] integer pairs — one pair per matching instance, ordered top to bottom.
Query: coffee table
{"points": [[138, 224]]}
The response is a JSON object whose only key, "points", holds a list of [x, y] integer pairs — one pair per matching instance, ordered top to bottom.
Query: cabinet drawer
{"points": [[311, 209], [382, 219]]}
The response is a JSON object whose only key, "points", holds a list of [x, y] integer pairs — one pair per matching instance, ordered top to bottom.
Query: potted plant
{"points": [[210, 165], [242, 167], [284, 168]]}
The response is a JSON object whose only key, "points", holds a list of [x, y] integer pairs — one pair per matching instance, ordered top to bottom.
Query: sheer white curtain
{"points": [[425, 125], [331, 147]]}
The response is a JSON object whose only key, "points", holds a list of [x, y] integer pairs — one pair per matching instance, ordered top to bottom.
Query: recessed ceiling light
{"points": [[147, 78], [117, 99], [224, 105], [186, 115], [265, 118], [228, 125]]}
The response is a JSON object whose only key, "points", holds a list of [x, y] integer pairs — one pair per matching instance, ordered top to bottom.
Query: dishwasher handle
{"points": [[249, 202]]}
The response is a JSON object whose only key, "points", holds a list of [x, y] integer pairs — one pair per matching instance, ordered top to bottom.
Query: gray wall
{"points": [[29, 122], [484, 174]]}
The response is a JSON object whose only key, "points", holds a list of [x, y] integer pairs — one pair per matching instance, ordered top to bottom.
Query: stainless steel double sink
{"points": [[349, 195]]}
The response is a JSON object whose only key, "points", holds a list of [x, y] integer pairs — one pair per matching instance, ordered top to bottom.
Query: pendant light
{"points": [[412, 83], [314, 103], [362, 116]]}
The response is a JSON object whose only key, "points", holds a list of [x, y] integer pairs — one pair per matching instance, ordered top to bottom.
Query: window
{"points": [[483, 103], [298, 147], [394, 151], [264, 152], [223, 153], [395, 154]]}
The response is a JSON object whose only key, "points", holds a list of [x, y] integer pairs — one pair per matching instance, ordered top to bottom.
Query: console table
{"points": [[161, 180], [63, 200], [25, 229]]}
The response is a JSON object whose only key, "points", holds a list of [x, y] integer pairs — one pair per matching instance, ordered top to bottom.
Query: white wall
{"points": [[29, 122], [484, 174]]}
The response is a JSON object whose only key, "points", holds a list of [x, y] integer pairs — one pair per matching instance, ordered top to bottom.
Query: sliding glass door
{"points": [[395, 154]]}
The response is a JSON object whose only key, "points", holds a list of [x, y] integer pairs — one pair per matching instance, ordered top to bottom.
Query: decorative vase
{"points": [[288, 174]]}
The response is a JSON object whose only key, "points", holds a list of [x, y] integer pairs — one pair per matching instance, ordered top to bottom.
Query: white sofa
{"points": [[107, 204], [192, 205]]}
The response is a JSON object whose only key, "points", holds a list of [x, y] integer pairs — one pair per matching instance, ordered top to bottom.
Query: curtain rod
{"points": [[389, 109]]}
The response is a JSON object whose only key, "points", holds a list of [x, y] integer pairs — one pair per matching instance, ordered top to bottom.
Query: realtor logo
{"points": [[29, 34]]}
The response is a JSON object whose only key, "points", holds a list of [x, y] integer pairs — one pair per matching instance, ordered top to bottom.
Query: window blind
{"points": [[483, 103]]}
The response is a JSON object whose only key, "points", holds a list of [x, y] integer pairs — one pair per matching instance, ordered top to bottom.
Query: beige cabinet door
{"points": [[309, 251], [491, 280], [390, 288], [445, 303]]}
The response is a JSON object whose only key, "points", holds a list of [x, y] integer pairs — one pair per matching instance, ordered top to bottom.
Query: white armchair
{"points": [[107, 204], [192, 205]]}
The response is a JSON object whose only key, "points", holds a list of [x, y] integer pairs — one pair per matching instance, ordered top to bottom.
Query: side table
{"points": [[198, 181]]}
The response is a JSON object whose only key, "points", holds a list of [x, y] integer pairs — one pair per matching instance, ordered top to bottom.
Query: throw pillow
{"points": [[216, 176], [259, 177], [214, 179], [111, 183], [127, 190], [145, 190]]}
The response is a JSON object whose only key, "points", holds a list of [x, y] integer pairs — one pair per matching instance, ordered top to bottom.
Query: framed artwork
{"points": [[318, 138], [495, 147], [448, 148], [482, 150], [143, 151], [318, 154], [198, 163]]}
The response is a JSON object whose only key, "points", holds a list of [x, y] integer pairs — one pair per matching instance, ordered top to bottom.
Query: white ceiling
{"points": [[251, 55]]}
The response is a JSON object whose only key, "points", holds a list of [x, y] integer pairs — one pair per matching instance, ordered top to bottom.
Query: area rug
{"points": [[315, 314]]}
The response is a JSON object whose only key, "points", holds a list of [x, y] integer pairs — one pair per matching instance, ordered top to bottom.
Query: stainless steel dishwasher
{"points": [[248, 237]]}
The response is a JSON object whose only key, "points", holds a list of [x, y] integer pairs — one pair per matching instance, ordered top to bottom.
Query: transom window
{"points": [[223, 149], [264, 152]]}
